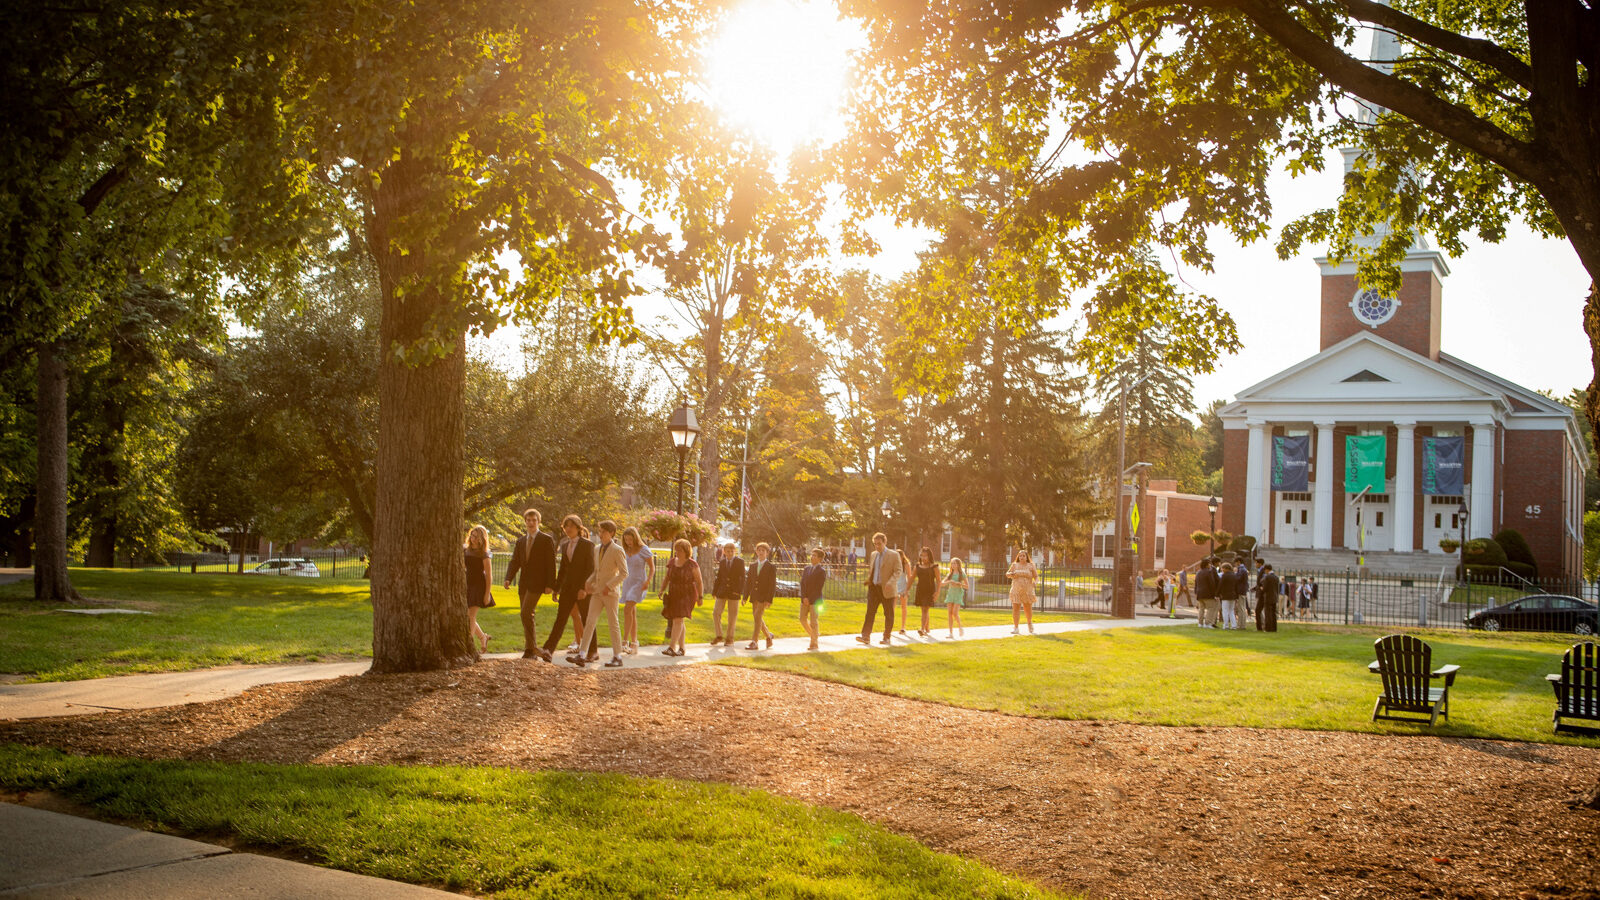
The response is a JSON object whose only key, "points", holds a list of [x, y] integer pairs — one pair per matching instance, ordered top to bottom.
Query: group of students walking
{"points": [[592, 578]]}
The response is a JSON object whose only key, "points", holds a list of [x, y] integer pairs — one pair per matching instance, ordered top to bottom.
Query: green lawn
{"points": [[212, 620], [1309, 677], [517, 834]]}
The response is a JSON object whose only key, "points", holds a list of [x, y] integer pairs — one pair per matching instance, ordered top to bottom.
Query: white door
{"points": [[1376, 521], [1440, 521], [1293, 528]]}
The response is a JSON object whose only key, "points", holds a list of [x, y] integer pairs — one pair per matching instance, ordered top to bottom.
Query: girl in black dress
{"points": [[477, 557], [927, 585], [681, 592]]}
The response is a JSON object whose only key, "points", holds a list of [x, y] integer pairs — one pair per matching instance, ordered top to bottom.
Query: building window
{"points": [[1295, 497], [1444, 500], [1161, 509], [1379, 523], [944, 544], [1102, 544], [1161, 547]]}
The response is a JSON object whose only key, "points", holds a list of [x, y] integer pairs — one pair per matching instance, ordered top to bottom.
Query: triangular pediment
{"points": [[1367, 367]]}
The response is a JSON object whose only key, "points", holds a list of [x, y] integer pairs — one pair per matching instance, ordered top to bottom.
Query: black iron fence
{"points": [[1439, 600]]}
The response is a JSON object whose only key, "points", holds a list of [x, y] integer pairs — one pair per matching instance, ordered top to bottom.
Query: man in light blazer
{"points": [[534, 557], [883, 586], [605, 589]]}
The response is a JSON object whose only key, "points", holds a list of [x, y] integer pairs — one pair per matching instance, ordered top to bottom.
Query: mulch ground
{"points": [[1110, 809]]}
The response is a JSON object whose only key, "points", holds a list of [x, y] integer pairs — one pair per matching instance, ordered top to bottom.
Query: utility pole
{"points": [[1121, 571]]}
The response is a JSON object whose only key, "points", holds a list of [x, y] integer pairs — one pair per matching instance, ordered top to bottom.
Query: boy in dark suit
{"points": [[534, 557], [576, 565], [760, 584], [727, 589]]}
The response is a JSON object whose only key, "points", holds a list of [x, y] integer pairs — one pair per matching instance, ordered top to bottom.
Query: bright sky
{"points": [[1515, 309]]}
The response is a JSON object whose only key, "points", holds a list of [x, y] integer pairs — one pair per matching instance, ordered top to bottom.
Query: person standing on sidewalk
{"points": [[477, 556], [534, 558], [576, 559], [641, 571], [1024, 575], [883, 577], [812, 581], [927, 581], [760, 585], [954, 587], [1183, 587], [1267, 588], [604, 589], [726, 589], [681, 591], [1205, 593], [1228, 593]]}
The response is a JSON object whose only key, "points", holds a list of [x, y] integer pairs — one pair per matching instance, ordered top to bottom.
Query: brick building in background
{"points": [[1167, 519]]}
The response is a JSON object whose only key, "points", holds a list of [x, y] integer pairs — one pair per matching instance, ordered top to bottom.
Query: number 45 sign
{"points": [[1532, 510]]}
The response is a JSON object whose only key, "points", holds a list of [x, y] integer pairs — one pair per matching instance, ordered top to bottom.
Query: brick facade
{"points": [[1415, 325], [1534, 498]]}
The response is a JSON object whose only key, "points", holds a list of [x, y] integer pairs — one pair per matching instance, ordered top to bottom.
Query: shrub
{"points": [[1224, 540], [1243, 544], [1517, 549], [1484, 552], [1522, 569]]}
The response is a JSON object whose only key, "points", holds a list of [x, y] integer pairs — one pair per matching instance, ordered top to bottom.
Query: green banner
{"points": [[1364, 463]]}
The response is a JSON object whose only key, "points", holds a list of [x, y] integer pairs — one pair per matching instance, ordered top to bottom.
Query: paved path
{"points": [[96, 695], [48, 855]]}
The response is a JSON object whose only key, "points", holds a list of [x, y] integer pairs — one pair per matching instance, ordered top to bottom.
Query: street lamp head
{"points": [[683, 427], [1136, 467], [1211, 504], [886, 509], [1463, 510]]}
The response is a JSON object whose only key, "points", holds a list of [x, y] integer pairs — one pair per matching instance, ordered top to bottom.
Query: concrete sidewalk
{"points": [[74, 698], [48, 855]]}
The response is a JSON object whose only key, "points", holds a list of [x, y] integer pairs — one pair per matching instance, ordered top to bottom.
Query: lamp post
{"points": [[685, 431], [1211, 506], [1461, 519], [1121, 599]]}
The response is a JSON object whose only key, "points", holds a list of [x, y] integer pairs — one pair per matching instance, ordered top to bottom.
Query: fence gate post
{"points": [[1061, 593], [1347, 596], [1422, 609]]}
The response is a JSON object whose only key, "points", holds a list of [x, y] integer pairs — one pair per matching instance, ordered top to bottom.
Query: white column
{"points": [[1257, 475], [1327, 478], [1405, 484], [1480, 523]]}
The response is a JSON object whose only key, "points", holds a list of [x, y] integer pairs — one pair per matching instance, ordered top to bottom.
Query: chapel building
{"points": [[1383, 423]]}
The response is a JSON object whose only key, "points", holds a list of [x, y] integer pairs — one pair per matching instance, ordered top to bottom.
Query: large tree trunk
{"points": [[1591, 327], [50, 579], [419, 614]]}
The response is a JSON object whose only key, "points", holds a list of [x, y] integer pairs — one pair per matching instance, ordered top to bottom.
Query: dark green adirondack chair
{"points": [[1405, 665], [1578, 689]]}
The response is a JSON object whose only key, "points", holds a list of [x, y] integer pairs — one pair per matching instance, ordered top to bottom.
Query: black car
{"points": [[787, 589], [1539, 612]]}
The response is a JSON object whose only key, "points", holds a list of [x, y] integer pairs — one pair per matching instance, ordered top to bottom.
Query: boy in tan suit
{"points": [[883, 585], [605, 589]]}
